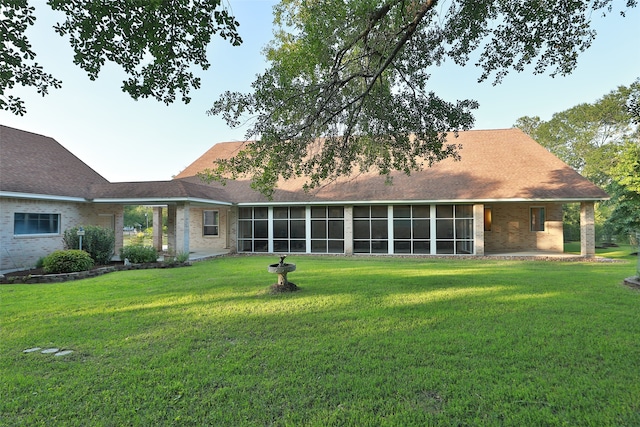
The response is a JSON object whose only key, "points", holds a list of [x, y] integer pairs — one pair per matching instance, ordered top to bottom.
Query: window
{"points": [[537, 219], [36, 223], [211, 223], [253, 229], [289, 229], [327, 229], [370, 229], [411, 229], [454, 229]]}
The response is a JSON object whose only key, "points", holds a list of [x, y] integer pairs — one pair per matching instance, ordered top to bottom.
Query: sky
{"points": [[145, 140]]}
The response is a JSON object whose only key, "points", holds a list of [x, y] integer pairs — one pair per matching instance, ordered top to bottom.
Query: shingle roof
{"points": [[36, 164], [495, 165], [160, 191]]}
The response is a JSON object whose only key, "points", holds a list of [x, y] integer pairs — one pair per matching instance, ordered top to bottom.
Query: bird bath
{"points": [[281, 269]]}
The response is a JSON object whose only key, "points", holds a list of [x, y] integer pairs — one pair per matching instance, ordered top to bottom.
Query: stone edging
{"points": [[65, 277]]}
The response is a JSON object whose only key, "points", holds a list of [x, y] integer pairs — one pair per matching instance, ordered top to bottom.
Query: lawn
{"points": [[365, 342]]}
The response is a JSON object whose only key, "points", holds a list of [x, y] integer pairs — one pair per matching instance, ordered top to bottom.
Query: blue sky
{"points": [[127, 140]]}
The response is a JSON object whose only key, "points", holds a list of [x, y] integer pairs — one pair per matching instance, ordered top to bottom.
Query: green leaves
{"points": [[156, 43], [17, 64], [346, 89]]}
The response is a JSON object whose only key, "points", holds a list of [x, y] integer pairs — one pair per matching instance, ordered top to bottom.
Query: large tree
{"points": [[156, 42], [346, 85], [600, 140]]}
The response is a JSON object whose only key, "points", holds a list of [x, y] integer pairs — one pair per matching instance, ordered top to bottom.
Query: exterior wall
{"points": [[510, 228], [587, 230], [478, 231], [197, 239], [20, 252]]}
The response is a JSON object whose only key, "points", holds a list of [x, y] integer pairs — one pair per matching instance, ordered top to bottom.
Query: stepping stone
{"points": [[31, 350], [50, 350], [63, 353]]}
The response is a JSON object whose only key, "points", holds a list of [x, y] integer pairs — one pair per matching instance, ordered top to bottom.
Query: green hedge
{"points": [[99, 242], [139, 253], [68, 261]]}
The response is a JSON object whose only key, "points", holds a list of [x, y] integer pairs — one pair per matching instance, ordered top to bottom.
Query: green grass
{"points": [[365, 342]]}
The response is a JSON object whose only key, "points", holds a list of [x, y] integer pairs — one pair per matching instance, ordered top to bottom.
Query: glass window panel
{"points": [[361, 211], [379, 211], [403, 211], [421, 211], [444, 211], [464, 211], [297, 212], [318, 212], [336, 212], [245, 213], [261, 213], [280, 213], [537, 219], [245, 229], [261, 229], [280, 229], [298, 229], [318, 229], [336, 229], [361, 229], [379, 229], [402, 229], [421, 229], [444, 229], [464, 229], [245, 246], [261, 246], [281, 246], [298, 246], [319, 246], [336, 246], [361, 246], [379, 246], [402, 247], [421, 247], [444, 247], [464, 247]]}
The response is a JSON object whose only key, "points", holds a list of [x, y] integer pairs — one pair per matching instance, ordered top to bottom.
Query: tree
{"points": [[156, 42], [347, 83], [588, 137], [599, 140]]}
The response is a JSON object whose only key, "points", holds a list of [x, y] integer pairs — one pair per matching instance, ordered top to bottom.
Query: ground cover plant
{"points": [[365, 341]]}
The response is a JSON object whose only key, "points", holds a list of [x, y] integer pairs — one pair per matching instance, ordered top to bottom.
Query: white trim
{"points": [[10, 194], [159, 200], [418, 202]]}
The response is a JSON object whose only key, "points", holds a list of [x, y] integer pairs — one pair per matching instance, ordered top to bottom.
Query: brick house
{"points": [[505, 194]]}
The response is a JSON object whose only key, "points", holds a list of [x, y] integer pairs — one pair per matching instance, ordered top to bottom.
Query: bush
{"points": [[99, 242], [139, 253], [68, 261]]}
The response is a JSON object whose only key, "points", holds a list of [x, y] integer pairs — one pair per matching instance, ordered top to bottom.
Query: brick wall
{"points": [[510, 228], [23, 251]]}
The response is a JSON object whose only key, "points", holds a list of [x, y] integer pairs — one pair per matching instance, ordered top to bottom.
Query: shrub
{"points": [[99, 242], [139, 253], [68, 261]]}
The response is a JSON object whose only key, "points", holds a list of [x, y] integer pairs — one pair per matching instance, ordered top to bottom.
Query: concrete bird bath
{"points": [[281, 269]]}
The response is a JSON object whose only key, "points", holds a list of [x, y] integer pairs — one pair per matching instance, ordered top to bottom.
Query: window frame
{"points": [[37, 218], [537, 222], [215, 225]]}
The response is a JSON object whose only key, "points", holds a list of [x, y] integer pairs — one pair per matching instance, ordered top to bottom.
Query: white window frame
{"points": [[215, 225]]}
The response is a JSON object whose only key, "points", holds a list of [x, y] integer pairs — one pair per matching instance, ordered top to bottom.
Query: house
{"points": [[505, 194]]}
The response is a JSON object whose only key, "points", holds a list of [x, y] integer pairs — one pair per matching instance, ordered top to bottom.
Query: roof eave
{"points": [[34, 196], [159, 200]]}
